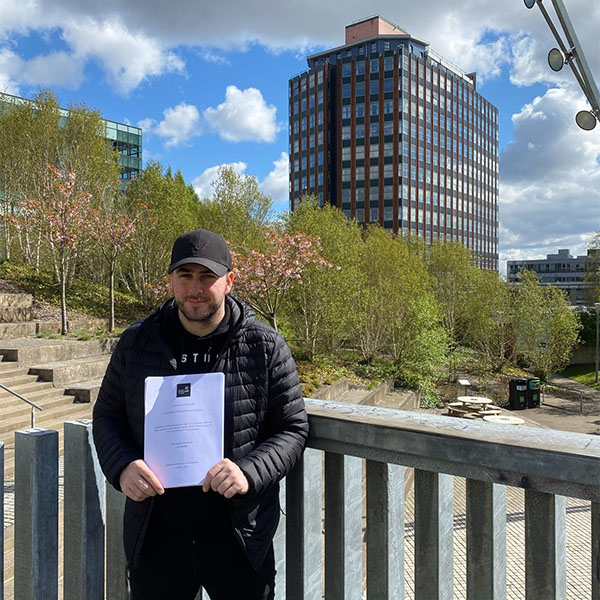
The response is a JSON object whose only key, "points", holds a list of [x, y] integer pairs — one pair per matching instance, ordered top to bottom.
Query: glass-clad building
{"points": [[391, 133], [126, 139]]}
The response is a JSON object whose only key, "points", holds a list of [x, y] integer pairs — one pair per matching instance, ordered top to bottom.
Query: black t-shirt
{"points": [[188, 511]]}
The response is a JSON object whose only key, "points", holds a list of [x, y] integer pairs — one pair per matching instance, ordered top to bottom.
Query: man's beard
{"points": [[196, 314]]}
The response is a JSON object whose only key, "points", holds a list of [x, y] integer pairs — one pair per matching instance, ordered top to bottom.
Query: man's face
{"points": [[200, 293]]}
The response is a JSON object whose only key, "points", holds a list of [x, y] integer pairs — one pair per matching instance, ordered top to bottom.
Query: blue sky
{"points": [[208, 84]]}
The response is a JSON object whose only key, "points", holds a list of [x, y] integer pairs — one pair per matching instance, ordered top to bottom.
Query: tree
{"points": [[35, 134], [29, 142], [164, 207], [237, 209], [59, 216], [111, 228], [453, 270], [592, 276], [264, 278], [320, 311], [398, 314], [488, 318], [547, 329]]}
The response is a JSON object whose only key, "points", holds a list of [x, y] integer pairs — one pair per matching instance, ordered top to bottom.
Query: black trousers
{"points": [[175, 567]]}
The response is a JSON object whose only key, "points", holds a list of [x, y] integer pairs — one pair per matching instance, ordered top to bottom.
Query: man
{"points": [[218, 535]]}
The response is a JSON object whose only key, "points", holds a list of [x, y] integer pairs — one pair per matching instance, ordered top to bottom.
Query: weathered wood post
{"points": [[84, 508], [36, 515], [434, 521], [343, 526], [385, 530], [486, 540], [279, 546], [545, 546], [304, 548], [116, 567]]}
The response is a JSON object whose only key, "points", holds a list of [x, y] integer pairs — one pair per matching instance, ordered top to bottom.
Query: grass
{"points": [[84, 296], [585, 374]]}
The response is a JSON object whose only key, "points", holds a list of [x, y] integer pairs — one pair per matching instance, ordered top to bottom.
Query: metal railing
{"points": [[33, 405], [324, 528]]}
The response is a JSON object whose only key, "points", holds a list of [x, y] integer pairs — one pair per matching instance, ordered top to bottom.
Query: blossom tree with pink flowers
{"points": [[60, 216], [111, 228], [264, 278]]}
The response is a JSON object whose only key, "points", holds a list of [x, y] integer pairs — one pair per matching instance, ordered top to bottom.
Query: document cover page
{"points": [[183, 429]]}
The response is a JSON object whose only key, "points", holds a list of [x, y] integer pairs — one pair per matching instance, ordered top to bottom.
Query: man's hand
{"points": [[226, 478], [138, 482]]}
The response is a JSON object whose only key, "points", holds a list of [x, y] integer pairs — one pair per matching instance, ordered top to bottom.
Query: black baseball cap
{"points": [[201, 247]]}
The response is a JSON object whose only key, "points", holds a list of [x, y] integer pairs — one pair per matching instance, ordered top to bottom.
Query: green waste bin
{"points": [[533, 392], [517, 393]]}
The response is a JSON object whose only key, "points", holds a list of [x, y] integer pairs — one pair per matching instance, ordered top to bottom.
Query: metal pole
{"points": [[592, 91], [597, 305]]}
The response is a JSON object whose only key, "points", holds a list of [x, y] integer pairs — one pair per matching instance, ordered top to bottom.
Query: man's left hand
{"points": [[226, 478]]}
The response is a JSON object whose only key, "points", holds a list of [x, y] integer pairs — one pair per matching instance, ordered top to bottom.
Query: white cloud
{"points": [[135, 40], [127, 57], [9, 67], [58, 68], [244, 116], [180, 124], [549, 179], [203, 184], [276, 184]]}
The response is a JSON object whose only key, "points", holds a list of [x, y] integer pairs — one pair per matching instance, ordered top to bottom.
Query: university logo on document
{"points": [[184, 389]]}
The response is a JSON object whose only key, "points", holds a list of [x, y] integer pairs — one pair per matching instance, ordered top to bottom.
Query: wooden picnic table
{"points": [[474, 400], [504, 419]]}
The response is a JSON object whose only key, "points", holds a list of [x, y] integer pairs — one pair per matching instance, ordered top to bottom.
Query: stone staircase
{"points": [[61, 376]]}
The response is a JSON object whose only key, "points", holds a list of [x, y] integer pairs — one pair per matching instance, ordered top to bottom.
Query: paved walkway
{"points": [[580, 413], [579, 559]]}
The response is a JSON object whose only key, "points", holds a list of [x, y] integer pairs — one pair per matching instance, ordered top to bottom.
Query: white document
{"points": [[183, 429]]}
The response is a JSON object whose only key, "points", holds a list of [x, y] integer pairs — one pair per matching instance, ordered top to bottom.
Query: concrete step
{"points": [[15, 300], [10, 314], [72, 325], [9, 331], [34, 351], [8, 369], [64, 373], [17, 380], [25, 389], [85, 391], [38, 395], [17, 413], [54, 419]]}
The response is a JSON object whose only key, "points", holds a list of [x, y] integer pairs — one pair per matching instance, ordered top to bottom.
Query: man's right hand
{"points": [[138, 482]]}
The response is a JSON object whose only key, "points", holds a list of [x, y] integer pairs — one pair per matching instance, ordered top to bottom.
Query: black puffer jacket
{"points": [[265, 420]]}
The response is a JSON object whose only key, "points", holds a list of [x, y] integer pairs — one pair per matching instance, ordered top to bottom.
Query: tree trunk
{"points": [[6, 235], [63, 296], [111, 323]]}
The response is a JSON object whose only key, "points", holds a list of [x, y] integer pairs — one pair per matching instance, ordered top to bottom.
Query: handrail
{"points": [[32, 404], [544, 460]]}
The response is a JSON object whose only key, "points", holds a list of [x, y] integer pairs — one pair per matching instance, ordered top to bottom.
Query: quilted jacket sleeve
{"points": [[287, 424], [112, 433]]}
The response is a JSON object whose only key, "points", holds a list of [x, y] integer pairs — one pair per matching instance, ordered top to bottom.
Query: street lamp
{"points": [[572, 54], [597, 307]]}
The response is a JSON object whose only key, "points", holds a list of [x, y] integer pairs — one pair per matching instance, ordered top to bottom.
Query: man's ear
{"points": [[230, 276]]}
